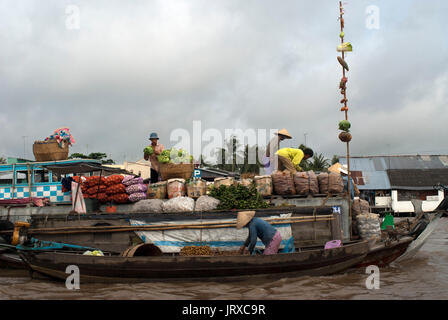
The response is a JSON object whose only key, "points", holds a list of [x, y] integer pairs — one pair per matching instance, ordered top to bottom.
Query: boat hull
{"points": [[382, 255], [128, 269]]}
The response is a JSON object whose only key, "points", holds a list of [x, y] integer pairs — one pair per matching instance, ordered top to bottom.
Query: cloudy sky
{"points": [[133, 67]]}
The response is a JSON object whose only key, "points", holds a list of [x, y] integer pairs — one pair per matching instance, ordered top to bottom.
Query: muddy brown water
{"points": [[423, 277]]}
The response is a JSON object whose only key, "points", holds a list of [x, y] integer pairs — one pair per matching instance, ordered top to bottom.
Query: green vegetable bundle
{"points": [[344, 125], [148, 151], [175, 156], [238, 197]]}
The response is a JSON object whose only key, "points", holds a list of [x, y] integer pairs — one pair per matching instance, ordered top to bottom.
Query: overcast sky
{"points": [[133, 67]]}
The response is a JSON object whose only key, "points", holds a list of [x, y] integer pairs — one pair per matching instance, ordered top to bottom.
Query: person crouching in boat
{"points": [[258, 228]]}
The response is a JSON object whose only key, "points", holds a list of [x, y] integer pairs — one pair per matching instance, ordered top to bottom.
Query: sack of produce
{"points": [[114, 179], [94, 181], [229, 181], [130, 182], [247, 182], [330, 182], [283, 183], [306, 183], [264, 185], [116, 188], [136, 188], [175, 188], [196, 188], [96, 189], [156, 190], [137, 196], [102, 197], [118, 198], [206, 203], [178, 204], [148, 206], [360, 206], [369, 226]]}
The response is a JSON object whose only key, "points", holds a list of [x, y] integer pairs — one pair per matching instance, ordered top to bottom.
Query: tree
{"points": [[94, 155], [230, 158], [335, 159], [3, 160], [319, 163]]}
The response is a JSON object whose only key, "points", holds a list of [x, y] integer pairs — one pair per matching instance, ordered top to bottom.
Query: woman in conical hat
{"points": [[258, 228]]}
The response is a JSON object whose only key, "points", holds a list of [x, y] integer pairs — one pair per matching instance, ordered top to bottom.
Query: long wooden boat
{"points": [[413, 248], [382, 254], [311, 261]]}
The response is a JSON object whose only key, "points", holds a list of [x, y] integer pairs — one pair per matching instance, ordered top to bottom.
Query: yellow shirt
{"points": [[295, 155]]}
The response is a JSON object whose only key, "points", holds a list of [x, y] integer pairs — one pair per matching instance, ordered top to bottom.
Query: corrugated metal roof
{"points": [[374, 169], [417, 179]]}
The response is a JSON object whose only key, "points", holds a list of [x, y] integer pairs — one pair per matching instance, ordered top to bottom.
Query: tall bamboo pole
{"points": [[345, 109]]}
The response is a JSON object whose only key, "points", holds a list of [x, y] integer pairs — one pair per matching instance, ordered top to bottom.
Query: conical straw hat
{"points": [[285, 133], [335, 168], [244, 218]]}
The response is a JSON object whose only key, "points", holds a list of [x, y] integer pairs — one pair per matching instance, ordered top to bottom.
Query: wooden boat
{"points": [[413, 248], [381, 254], [11, 260], [305, 261]]}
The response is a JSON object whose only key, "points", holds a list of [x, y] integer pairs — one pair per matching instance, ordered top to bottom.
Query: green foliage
{"points": [[94, 155], [232, 159], [334, 160], [319, 163], [238, 197]]}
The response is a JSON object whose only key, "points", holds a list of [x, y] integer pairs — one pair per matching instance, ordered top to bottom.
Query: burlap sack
{"points": [[283, 183], [306, 183], [330, 183], [360, 206]]}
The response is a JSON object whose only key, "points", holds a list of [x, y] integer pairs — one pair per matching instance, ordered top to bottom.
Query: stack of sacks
{"points": [[330, 182], [283, 183], [306, 183], [95, 188], [135, 188], [116, 191]]}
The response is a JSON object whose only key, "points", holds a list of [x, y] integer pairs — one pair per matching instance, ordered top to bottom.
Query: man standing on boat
{"points": [[158, 148], [271, 158], [290, 158], [258, 228]]}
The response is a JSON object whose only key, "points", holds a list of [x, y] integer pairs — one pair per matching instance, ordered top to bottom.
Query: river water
{"points": [[423, 277]]}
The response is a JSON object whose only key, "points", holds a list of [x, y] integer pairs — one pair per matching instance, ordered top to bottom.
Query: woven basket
{"points": [[50, 151], [176, 170]]}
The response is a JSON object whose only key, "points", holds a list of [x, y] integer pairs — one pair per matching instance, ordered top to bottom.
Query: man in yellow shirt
{"points": [[290, 158]]}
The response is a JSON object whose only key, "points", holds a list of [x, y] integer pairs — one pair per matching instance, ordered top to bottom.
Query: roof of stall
{"points": [[70, 166], [371, 172], [419, 179]]}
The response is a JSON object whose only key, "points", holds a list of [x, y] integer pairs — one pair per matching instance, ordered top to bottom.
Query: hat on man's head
{"points": [[285, 133], [153, 136], [343, 169], [244, 218]]}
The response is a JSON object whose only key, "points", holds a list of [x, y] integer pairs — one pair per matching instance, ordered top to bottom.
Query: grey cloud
{"points": [[136, 67]]}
